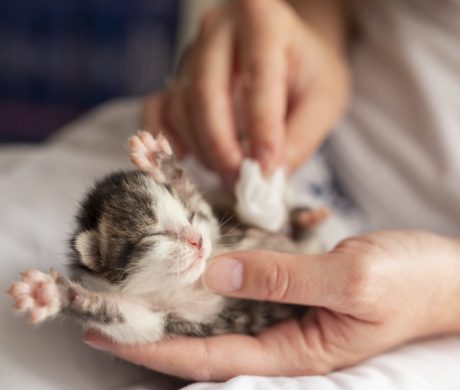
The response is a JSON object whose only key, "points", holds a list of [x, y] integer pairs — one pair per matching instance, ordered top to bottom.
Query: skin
{"points": [[290, 79], [372, 292]]}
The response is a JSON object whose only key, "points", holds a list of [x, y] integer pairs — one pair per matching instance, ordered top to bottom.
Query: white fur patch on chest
{"points": [[192, 303]]}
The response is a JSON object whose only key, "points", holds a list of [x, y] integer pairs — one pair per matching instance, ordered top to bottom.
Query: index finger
{"points": [[262, 81], [210, 100], [287, 348], [203, 359]]}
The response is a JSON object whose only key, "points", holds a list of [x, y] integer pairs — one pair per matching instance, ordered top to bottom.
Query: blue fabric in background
{"points": [[59, 58]]}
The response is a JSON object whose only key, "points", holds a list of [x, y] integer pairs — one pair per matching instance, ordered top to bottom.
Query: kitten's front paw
{"points": [[147, 150], [36, 293]]}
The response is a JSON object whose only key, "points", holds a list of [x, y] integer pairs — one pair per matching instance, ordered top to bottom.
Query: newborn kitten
{"points": [[141, 246]]}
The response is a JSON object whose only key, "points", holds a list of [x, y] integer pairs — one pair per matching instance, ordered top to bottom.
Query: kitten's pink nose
{"points": [[190, 235], [196, 242]]}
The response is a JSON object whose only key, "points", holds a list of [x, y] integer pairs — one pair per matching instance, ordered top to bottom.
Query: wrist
{"points": [[446, 302], [455, 309]]}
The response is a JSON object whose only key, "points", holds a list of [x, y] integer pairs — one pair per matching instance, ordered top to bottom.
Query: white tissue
{"points": [[260, 202]]}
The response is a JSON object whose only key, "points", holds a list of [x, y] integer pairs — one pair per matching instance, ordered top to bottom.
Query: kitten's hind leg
{"points": [[305, 218], [303, 222]]}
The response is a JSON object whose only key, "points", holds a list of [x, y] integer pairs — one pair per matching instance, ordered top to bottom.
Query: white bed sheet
{"points": [[39, 190]]}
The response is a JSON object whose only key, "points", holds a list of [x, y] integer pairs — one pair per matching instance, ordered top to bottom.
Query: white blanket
{"points": [[39, 190]]}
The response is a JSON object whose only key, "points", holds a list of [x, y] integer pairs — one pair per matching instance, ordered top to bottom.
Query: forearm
{"points": [[328, 18]]}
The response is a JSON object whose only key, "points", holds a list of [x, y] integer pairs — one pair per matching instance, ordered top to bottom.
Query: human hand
{"points": [[292, 88], [369, 294]]}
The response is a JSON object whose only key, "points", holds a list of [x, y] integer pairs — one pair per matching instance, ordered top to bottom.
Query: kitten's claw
{"points": [[36, 293]]}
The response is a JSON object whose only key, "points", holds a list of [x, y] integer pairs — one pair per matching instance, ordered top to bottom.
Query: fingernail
{"points": [[224, 275]]}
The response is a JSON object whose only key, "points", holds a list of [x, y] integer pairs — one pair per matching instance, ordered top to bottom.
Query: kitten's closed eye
{"points": [[197, 216], [192, 217], [156, 234], [148, 236]]}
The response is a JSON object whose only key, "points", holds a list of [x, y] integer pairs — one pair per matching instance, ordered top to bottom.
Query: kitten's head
{"points": [[141, 235]]}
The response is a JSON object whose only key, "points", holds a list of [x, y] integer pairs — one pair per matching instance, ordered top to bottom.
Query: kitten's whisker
{"points": [[230, 217], [231, 231]]}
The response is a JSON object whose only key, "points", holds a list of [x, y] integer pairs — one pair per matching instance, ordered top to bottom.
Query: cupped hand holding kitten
{"points": [[371, 293]]}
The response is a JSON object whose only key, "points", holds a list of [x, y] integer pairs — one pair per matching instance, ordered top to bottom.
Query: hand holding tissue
{"points": [[261, 201]]}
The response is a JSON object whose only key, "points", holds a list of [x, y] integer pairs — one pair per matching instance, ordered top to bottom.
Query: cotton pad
{"points": [[260, 201]]}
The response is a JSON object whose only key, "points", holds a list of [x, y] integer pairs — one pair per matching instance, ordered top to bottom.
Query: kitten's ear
{"points": [[87, 246]]}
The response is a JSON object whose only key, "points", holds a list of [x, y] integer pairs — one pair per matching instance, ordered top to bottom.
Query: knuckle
{"points": [[258, 74], [262, 79], [261, 128], [357, 243], [361, 274], [276, 282], [359, 289]]}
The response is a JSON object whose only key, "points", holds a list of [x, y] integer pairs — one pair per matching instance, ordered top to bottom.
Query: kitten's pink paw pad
{"points": [[36, 293]]}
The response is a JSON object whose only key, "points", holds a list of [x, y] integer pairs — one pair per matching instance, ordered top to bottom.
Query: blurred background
{"points": [[60, 58]]}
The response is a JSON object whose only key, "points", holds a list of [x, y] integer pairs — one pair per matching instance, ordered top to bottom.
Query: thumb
{"points": [[281, 277]]}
